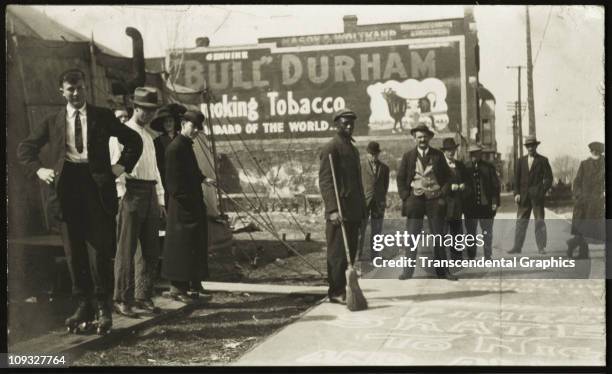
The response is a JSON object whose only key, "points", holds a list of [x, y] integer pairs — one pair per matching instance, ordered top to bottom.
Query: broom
{"points": [[354, 296]]}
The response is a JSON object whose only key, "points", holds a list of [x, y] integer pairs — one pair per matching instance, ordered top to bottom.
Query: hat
{"points": [[147, 97], [172, 110], [345, 112], [196, 117], [422, 127], [531, 139], [448, 144], [597, 147], [373, 148], [474, 148]]}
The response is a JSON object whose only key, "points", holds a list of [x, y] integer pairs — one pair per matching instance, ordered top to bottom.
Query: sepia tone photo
{"points": [[305, 185]]}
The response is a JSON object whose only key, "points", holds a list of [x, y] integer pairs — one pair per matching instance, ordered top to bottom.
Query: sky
{"points": [[567, 49]]}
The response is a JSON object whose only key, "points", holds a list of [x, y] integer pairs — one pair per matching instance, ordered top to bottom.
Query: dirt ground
{"points": [[215, 334]]}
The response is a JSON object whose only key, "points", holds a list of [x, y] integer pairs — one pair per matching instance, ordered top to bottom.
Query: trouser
{"points": [[417, 207], [483, 215], [376, 217], [138, 221], [522, 221], [455, 227], [88, 233], [579, 241], [336, 255]]}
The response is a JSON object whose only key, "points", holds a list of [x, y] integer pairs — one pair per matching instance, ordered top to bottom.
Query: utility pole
{"points": [[530, 102], [519, 111], [514, 135]]}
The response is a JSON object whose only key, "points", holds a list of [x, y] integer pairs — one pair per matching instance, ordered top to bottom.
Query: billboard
{"points": [[393, 78]]}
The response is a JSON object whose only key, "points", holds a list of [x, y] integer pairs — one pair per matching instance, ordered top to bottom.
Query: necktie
{"points": [[78, 132]]}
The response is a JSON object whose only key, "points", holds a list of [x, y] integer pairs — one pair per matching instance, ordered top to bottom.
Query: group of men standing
{"points": [[104, 174], [433, 183]]}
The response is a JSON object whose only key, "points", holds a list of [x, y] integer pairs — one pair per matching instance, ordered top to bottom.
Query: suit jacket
{"points": [[101, 125], [407, 168], [348, 175], [490, 181], [532, 184], [375, 186], [455, 199]]}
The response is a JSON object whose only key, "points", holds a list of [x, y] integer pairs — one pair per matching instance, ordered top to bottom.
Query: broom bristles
{"points": [[355, 300]]}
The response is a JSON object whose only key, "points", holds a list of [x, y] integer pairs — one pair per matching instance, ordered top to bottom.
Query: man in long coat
{"points": [[80, 175], [348, 176], [532, 179], [375, 180], [456, 193], [482, 201], [589, 211], [185, 258]]}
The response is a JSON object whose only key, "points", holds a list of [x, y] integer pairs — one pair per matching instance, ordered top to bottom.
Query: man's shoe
{"points": [[514, 251], [541, 251], [447, 275], [404, 276], [337, 300], [147, 306], [124, 309]]}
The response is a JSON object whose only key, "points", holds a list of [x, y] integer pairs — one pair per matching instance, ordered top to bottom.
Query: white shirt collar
{"points": [[71, 110], [423, 152], [449, 161]]}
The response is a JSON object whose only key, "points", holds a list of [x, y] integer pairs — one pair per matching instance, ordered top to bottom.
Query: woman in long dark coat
{"points": [[588, 220], [185, 259]]}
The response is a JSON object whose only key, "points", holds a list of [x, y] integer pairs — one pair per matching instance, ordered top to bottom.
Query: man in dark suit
{"points": [[347, 169], [83, 179], [532, 179], [375, 180], [422, 182], [456, 193], [482, 201], [185, 257]]}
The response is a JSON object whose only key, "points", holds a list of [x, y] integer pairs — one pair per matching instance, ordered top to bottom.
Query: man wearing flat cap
{"points": [[347, 168], [532, 179], [375, 180], [423, 182], [482, 201], [140, 209], [588, 219], [185, 256]]}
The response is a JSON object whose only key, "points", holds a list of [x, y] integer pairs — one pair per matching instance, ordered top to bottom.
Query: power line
{"points": [[543, 35]]}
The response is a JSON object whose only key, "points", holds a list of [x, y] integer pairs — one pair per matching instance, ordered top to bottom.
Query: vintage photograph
{"points": [[305, 185]]}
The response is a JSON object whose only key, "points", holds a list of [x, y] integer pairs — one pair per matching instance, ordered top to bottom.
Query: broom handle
{"points": [[346, 250]]}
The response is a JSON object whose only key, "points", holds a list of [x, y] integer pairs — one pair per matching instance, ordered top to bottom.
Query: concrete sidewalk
{"points": [[484, 320]]}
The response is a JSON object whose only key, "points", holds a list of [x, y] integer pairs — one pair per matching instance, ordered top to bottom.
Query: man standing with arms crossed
{"points": [[83, 178], [140, 209]]}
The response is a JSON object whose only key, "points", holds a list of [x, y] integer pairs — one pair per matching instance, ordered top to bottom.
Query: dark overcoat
{"points": [[348, 174], [490, 184], [375, 185], [455, 199], [589, 209], [186, 243]]}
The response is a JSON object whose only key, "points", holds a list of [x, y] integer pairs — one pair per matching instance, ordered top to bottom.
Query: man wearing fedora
{"points": [[347, 168], [80, 173], [532, 179], [375, 180], [423, 182], [456, 192], [482, 200], [140, 208], [588, 219], [185, 255]]}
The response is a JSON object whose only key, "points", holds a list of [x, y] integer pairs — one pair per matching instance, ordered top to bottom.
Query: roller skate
{"points": [[104, 318], [82, 319]]}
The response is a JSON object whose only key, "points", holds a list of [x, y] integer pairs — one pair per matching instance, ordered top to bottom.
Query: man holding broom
{"points": [[345, 179]]}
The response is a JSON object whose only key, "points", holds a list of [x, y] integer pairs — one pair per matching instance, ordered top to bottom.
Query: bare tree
{"points": [[565, 168]]}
